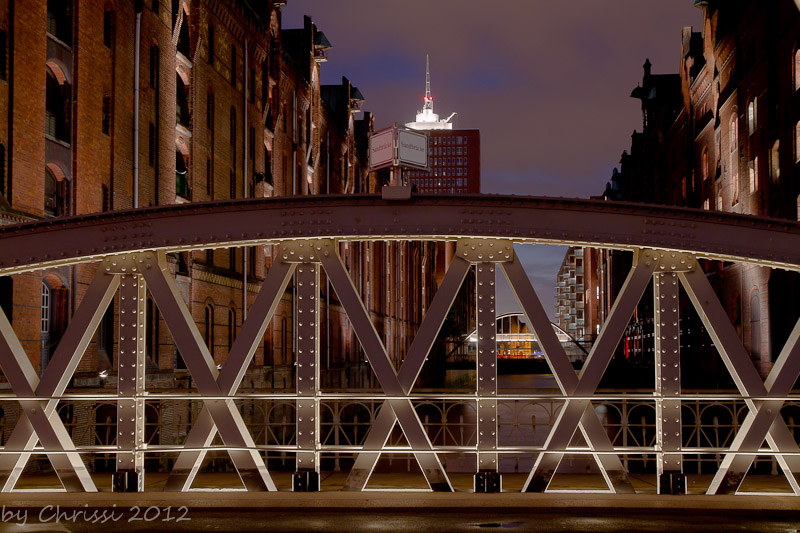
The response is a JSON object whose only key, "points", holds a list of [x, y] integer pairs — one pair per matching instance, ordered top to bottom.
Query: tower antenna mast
{"points": [[428, 98]]}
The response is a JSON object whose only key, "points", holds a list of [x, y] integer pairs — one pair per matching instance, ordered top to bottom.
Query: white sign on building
{"points": [[399, 147], [381, 148], [412, 148]]}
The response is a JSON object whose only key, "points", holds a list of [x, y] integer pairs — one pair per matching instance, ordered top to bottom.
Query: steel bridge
{"points": [[129, 248]]}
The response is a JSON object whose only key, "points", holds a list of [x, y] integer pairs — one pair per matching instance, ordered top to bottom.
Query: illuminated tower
{"points": [[427, 119]]}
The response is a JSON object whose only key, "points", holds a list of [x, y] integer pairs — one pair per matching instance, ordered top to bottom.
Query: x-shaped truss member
{"points": [[231, 375], [400, 409], [578, 412], [39, 420], [763, 420], [247, 460]]}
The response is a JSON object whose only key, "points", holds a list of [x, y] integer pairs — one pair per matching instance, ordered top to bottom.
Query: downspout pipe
{"points": [[137, 45], [244, 172]]}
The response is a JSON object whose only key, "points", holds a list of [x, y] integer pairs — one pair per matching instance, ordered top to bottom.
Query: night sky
{"points": [[547, 82]]}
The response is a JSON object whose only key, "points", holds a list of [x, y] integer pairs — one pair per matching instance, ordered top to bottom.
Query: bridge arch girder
{"points": [[249, 222]]}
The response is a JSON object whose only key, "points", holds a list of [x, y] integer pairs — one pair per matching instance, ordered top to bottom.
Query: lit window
{"points": [[797, 69], [752, 115], [797, 142], [775, 161], [704, 164], [752, 168], [706, 204]]}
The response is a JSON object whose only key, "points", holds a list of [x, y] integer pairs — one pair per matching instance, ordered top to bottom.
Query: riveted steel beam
{"points": [[250, 222], [485, 250], [418, 352], [596, 363], [382, 366], [307, 367], [486, 370], [231, 374], [130, 386], [763, 413], [40, 417], [232, 428], [593, 431], [669, 440]]}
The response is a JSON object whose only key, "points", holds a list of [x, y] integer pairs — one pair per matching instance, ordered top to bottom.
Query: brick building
{"points": [[251, 119], [722, 134]]}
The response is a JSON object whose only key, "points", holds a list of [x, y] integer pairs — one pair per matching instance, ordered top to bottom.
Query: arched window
{"points": [[797, 69], [182, 102], [57, 106], [752, 115], [775, 161], [733, 163], [704, 164], [181, 176], [55, 193], [45, 315], [208, 322], [755, 326], [231, 327]]}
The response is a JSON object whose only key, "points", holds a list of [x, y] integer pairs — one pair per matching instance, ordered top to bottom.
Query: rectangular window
{"points": [[108, 28], [210, 44], [3, 55], [154, 63], [233, 65], [252, 84], [210, 113], [106, 114], [233, 128], [151, 144], [253, 146], [753, 171], [209, 177], [105, 199]]}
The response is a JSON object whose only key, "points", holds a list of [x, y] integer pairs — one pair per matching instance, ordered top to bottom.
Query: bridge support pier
{"points": [[669, 438], [129, 476], [487, 478], [306, 479]]}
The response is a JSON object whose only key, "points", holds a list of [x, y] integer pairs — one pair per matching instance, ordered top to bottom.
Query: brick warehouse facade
{"points": [[251, 119], [723, 134]]}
